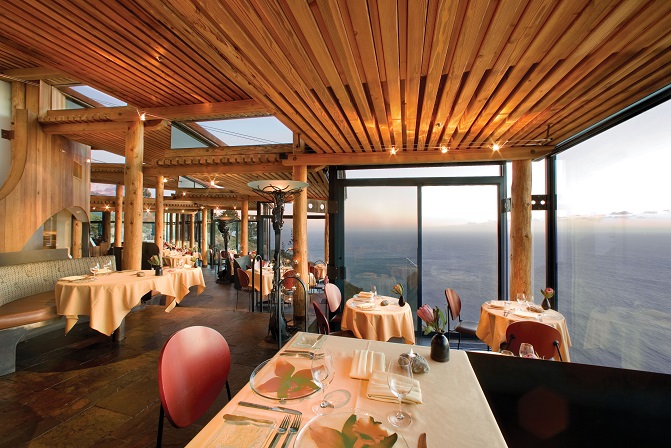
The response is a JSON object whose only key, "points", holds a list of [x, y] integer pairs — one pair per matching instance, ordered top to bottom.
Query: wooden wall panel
{"points": [[47, 185]]}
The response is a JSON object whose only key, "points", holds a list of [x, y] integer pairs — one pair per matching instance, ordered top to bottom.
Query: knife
{"points": [[270, 408], [422, 441]]}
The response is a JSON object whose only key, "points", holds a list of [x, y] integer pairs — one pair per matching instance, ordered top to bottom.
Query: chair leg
{"points": [[237, 296], [459, 341], [228, 390], [159, 436]]}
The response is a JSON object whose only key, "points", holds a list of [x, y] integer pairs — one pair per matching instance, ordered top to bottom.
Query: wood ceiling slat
{"points": [[388, 17], [417, 18], [276, 20], [361, 20], [338, 36], [469, 38], [440, 39]]}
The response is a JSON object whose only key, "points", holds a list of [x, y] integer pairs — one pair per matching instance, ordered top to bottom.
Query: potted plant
{"points": [[157, 264], [435, 321]]}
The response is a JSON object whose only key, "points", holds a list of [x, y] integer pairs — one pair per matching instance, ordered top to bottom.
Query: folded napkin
{"points": [[73, 278], [365, 295], [497, 303], [365, 306], [364, 362], [378, 389]]}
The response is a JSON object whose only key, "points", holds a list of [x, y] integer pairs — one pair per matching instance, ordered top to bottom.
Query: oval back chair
{"points": [[334, 299], [454, 306], [322, 323], [545, 338]]}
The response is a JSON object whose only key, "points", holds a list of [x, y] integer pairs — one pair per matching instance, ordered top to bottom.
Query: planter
{"points": [[158, 270], [401, 301], [440, 348]]}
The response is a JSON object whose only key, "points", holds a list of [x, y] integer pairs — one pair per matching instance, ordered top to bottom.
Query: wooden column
{"points": [[300, 173], [132, 179], [118, 215], [159, 216], [107, 227], [244, 227], [171, 228], [520, 229], [182, 230], [192, 230], [203, 237], [326, 237], [76, 238]]}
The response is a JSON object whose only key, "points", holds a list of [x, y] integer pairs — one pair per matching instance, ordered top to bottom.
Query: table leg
{"points": [[120, 333]]}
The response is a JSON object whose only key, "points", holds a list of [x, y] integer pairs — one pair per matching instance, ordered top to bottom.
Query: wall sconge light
{"points": [[393, 149], [443, 149]]}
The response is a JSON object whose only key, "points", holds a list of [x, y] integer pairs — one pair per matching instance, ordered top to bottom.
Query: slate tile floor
{"points": [[84, 390]]}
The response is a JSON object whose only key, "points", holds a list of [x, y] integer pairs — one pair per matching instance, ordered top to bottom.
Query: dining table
{"points": [[176, 260], [107, 299], [495, 316], [375, 321], [453, 409]]}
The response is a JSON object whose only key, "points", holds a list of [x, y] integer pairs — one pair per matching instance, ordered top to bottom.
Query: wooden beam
{"points": [[34, 73], [97, 126], [280, 148], [421, 157], [195, 170], [118, 207], [159, 215], [244, 227], [300, 228], [520, 229], [203, 237]]}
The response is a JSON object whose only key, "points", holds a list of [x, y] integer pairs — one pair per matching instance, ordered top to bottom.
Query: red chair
{"points": [[333, 298], [322, 322], [463, 326], [545, 338], [192, 370]]}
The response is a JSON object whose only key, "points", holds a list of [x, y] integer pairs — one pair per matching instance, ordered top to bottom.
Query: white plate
{"points": [[73, 278], [500, 304], [523, 313], [309, 340], [283, 379], [336, 421], [240, 430]]}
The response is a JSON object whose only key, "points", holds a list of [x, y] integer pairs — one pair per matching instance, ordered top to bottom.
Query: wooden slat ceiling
{"points": [[355, 77]]}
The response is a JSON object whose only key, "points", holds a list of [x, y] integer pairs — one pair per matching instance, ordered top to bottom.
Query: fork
{"points": [[295, 424], [281, 430]]}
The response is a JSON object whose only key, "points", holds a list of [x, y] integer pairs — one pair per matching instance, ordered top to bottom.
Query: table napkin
{"points": [[365, 295], [498, 303], [365, 306], [364, 362], [378, 389]]}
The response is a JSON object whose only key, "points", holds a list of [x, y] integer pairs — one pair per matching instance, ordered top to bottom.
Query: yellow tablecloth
{"points": [[173, 260], [266, 279], [109, 298], [380, 323], [493, 324], [454, 410]]}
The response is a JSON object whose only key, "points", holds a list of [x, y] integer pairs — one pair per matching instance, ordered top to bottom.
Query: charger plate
{"points": [[284, 379]]}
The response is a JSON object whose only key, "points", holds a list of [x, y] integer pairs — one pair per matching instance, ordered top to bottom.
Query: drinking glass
{"points": [[94, 269], [373, 291], [521, 298], [527, 350], [323, 371], [399, 378]]}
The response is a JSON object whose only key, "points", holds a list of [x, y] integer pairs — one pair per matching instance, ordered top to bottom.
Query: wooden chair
{"points": [[245, 285], [334, 299], [454, 306], [322, 322], [545, 338], [192, 370]]}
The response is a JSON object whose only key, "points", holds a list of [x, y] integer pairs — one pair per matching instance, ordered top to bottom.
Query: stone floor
{"points": [[84, 390]]}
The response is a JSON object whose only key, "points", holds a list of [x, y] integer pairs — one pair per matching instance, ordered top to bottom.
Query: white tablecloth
{"points": [[454, 410]]}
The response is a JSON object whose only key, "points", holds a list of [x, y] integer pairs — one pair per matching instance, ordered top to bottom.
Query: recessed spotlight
{"points": [[496, 147], [393, 149], [443, 149]]}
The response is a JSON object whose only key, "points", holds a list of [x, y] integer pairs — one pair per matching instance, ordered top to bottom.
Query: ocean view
{"points": [[613, 284]]}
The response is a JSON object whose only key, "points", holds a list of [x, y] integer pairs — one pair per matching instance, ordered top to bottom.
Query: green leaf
{"points": [[347, 434]]}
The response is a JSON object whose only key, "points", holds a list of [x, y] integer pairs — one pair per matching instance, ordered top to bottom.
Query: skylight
{"points": [[249, 131]]}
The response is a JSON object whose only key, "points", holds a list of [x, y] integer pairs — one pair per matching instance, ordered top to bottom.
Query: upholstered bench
{"points": [[27, 299]]}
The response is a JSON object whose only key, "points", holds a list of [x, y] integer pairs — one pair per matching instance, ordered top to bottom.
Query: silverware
{"points": [[270, 408], [295, 424], [281, 430], [422, 441]]}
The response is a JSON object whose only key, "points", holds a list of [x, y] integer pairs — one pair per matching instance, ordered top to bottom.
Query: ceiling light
{"points": [[495, 147], [393, 149], [443, 149]]}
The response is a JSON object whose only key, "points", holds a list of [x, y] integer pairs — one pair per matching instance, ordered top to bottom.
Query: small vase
{"points": [[158, 270], [401, 302], [546, 304], [440, 348]]}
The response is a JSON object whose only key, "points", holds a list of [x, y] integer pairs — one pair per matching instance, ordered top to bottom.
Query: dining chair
{"points": [[245, 285], [288, 286], [334, 299], [322, 322], [462, 326], [545, 338], [193, 368]]}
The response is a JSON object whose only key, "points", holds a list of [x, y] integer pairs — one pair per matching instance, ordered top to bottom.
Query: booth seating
{"points": [[27, 300]]}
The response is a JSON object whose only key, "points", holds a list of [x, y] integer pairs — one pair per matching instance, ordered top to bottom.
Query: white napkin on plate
{"points": [[365, 295], [497, 303], [365, 306], [364, 362], [378, 389]]}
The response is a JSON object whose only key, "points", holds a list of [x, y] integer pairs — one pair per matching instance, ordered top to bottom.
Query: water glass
{"points": [[373, 291], [521, 298], [527, 351], [323, 371], [399, 379]]}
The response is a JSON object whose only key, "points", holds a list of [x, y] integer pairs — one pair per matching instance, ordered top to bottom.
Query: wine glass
{"points": [[94, 269], [373, 291], [521, 298], [527, 350], [323, 371], [399, 378]]}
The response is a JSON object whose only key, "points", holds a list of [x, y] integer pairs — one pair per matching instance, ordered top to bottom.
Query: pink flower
{"points": [[548, 292], [426, 314]]}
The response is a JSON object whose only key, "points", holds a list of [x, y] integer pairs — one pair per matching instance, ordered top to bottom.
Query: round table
{"points": [[379, 323], [493, 324]]}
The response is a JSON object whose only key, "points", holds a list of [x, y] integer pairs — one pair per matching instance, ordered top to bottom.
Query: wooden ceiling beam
{"points": [[33, 74], [97, 126], [280, 148], [422, 157], [196, 170]]}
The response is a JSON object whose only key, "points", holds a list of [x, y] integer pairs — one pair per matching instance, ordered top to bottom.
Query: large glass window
{"points": [[614, 244]]}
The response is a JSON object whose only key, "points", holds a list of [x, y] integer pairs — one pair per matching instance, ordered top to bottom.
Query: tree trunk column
{"points": [[132, 179], [159, 216], [118, 221], [300, 221], [107, 227], [244, 227], [171, 228], [520, 229], [182, 230], [192, 230], [76, 238], [203, 238]]}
